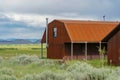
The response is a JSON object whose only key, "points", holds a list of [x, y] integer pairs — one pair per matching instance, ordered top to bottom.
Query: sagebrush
{"points": [[30, 67]]}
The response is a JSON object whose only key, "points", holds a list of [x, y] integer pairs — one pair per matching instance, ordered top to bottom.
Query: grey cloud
{"points": [[57, 7], [94, 8], [16, 29]]}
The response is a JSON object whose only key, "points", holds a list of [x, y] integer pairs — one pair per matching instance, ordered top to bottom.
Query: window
{"points": [[54, 32]]}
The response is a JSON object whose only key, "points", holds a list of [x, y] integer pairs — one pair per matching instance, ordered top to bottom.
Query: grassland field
{"points": [[9, 50]]}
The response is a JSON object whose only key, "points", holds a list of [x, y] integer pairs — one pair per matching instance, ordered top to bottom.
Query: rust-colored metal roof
{"points": [[88, 31]]}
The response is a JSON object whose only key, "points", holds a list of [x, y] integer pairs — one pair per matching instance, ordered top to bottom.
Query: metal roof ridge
{"points": [[77, 21]]}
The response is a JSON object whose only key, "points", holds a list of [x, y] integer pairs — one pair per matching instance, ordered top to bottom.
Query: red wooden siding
{"points": [[44, 37], [56, 44], [114, 49]]}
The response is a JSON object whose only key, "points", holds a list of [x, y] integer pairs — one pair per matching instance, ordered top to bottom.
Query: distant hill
{"points": [[20, 41], [37, 41]]}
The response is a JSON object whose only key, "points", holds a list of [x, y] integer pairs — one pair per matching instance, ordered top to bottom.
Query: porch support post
{"points": [[100, 46], [100, 49], [71, 50], [86, 51], [41, 55]]}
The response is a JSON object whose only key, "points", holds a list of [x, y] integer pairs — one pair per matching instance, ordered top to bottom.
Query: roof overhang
{"points": [[111, 34], [86, 42]]}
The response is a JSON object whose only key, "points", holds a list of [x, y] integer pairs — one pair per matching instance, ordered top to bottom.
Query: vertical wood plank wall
{"points": [[114, 49]]}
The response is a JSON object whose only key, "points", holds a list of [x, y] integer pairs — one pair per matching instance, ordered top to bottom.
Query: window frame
{"points": [[54, 32]]}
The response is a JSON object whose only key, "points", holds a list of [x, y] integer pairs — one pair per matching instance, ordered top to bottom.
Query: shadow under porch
{"points": [[83, 50]]}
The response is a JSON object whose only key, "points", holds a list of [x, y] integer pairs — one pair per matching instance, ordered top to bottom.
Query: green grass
{"points": [[9, 50], [97, 63]]}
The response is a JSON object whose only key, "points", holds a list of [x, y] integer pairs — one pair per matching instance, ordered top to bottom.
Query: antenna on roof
{"points": [[104, 18]]}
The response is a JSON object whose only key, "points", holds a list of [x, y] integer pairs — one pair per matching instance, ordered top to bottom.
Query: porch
{"points": [[83, 50]]}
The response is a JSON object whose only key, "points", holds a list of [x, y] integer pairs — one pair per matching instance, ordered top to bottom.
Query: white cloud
{"points": [[29, 19], [35, 20], [22, 36], [25, 36]]}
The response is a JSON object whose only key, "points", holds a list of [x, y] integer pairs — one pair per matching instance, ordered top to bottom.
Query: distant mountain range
{"points": [[20, 41]]}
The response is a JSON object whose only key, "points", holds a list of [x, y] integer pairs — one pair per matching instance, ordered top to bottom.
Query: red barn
{"points": [[80, 39]]}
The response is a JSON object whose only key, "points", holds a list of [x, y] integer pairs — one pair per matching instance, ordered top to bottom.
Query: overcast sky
{"points": [[26, 18]]}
